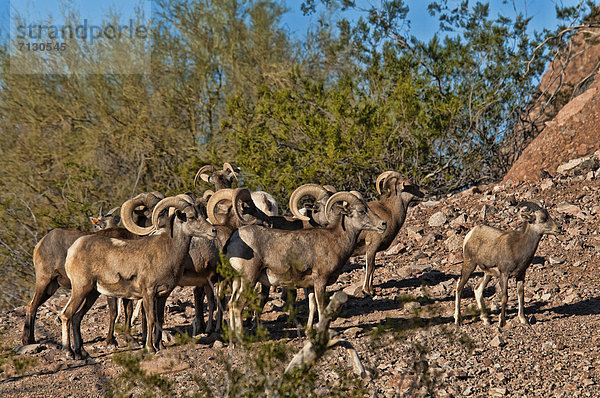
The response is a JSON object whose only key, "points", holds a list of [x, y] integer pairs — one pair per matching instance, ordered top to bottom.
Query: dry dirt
{"points": [[407, 345]]}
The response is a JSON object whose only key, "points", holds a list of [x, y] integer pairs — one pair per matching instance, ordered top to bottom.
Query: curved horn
{"points": [[227, 166], [207, 168], [381, 177], [389, 177], [330, 188], [314, 190], [207, 194], [357, 194], [240, 195], [219, 196], [187, 197], [348, 197], [172, 201], [111, 211], [126, 214]]}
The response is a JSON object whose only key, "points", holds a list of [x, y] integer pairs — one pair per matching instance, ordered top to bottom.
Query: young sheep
{"points": [[504, 254], [311, 258], [147, 268]]}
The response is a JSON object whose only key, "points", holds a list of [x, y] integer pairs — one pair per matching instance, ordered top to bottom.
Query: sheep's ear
{"points": [[205, 177], [112, 211], [527, 215], [94, 220]]}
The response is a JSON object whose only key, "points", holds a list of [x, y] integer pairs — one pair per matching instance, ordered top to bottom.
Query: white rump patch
{"points": [[467, 238]]}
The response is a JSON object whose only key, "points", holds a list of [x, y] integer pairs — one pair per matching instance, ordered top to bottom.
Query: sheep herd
{"points": [[181, 240]]}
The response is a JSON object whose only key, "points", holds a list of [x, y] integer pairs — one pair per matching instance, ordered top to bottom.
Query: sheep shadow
{"points": [[586, 307]]}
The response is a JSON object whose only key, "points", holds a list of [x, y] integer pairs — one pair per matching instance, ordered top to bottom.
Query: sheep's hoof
{"points": [[368, 292], [458, 320], [486, 320], [27, 340], [111, 344], [69, 354], [81, 354]]}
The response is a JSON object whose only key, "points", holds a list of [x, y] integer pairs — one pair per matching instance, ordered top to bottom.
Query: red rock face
{"points": [[571, 131]]}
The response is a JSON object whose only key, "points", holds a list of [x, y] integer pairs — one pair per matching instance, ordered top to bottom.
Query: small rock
{"points": [[580, 164], [546, 184], [430, 203], [568, 208], [438, 219], [461, 220], [414, 233], [454, 243], [396, 249], [454, 258], [556, 260], [354, 290], [352, 332], [498, 341], [218, 344], [29, 349], [588, 382], [467, 391], [498, 392]]}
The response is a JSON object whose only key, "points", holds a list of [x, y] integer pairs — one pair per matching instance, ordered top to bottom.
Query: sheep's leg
{"points": [[467, 269], [369, 272], [319, 289], [504, 289], [265, 290], [43, 291], [521, 295], [479, 297], [210, 300], [161, 302], [221, 303], [290, 303], [312, 304], [150, 310], [128, 311], [66, 316], [144, 321], [235, 323], [198, 324], [111, 343], [78, 349]]}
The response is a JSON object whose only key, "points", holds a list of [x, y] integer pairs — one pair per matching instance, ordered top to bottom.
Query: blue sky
{"points": [[423, 26]]}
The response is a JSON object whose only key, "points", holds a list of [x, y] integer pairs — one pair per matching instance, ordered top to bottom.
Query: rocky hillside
{"points": [[567, 131], [405, 334]]}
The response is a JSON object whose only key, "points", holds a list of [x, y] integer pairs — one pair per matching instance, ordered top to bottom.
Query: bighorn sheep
{"points": [[223, 179], [391, 207], [504, 254], [311, 258], [49, 262], [147, 268]]}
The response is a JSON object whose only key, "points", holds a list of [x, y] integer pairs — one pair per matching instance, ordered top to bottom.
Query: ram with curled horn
{"points": [[397, 194], [311, 258], [49, 262], [146, 268]]}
